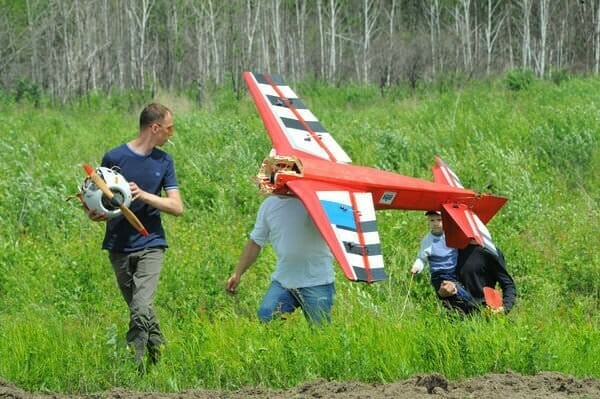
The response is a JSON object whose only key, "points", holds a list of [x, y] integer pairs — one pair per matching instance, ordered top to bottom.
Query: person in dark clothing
{"points": [[476, 268]]}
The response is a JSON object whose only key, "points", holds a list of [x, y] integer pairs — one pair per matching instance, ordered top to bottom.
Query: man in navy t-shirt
{"points": [[137, 260]]}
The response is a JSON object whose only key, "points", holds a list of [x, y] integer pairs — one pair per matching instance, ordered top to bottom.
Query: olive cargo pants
{"points": [[137, 274]]}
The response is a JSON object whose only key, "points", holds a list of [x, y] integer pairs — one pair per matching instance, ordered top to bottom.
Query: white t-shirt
{"points": [[303, 257]]}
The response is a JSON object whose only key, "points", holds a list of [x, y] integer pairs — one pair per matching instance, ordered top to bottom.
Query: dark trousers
{"points": [[137, 274]]}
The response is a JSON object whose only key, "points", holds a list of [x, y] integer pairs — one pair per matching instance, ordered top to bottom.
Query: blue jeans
{"points": [[316, 302]]}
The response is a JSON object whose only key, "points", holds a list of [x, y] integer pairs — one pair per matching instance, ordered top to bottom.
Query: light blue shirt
{"points": [[433, 250], [303, 257]]}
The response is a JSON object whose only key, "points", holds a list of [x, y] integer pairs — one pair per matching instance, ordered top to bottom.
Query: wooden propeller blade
{"points": [[98, 181], [130, 216], [135, 222]]}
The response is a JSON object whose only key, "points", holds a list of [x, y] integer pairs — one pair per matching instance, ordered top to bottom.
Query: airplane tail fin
{"points": [[444, 175], [464, 222], [462, 225]]}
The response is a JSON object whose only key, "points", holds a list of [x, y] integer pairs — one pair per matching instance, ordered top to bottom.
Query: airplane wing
{"points": [[292, 127], [346, 220]]}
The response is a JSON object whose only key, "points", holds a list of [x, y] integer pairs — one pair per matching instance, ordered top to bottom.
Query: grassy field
{"points": [[62, 320]]}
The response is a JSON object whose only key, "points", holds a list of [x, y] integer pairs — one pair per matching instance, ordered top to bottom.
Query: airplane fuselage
{"points": [[389, 190]]}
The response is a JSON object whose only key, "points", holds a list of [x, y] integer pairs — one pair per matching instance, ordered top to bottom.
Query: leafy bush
{"points": [[559, 76], [519, 79], [29, 91]]}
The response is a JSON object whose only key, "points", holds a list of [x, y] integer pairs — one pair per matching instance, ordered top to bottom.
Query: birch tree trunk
{"points": [[333, 12], [139, 13], [433, 13], [544, 17], [212, 19], [369, 21], [275, 23], [509, 23], [251, 25], [492, 29], [463, 30], [466, 34], [301, 37], [321, 37], [597, 39], [391, 40], [561, 42], [172, 43], [200, 43], [526, 46], [67, 54], [265, 58], [122, 59], [104, 64], [35, 72]]}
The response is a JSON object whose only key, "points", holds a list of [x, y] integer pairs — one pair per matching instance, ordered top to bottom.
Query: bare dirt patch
{"points": [[544, 385]]}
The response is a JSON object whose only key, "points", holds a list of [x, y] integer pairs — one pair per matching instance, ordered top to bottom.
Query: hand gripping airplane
{"points": [[341, 198]]}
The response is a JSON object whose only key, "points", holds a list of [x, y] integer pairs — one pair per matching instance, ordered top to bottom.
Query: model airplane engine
{"points": [[271, 176], [96, 200]]}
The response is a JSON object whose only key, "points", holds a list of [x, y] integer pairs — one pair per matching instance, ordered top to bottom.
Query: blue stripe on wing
{"points": [[339, 214]]}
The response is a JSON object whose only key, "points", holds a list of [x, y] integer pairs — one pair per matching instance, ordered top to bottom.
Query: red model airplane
{"points": [[342, 198]]}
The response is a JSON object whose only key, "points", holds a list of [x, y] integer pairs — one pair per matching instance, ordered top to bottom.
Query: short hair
{"points": [[152, 113]]}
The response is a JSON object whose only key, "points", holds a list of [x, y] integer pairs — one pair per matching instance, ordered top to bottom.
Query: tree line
{"points": [[66, 48]]}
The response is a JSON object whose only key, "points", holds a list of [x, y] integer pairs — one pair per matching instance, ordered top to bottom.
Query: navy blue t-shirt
{"points": [[153, 173]]}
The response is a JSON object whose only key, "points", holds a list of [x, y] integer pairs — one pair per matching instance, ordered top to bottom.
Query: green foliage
{"points": [[559, 76], [519, 79], [450, 81], [28, 91], [62, 320]]}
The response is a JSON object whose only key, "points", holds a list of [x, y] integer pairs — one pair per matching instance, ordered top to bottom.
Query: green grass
{"points": [[62, 320]]}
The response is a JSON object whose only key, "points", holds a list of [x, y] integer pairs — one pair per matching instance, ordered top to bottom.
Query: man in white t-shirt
{"points": [[303, 276]]}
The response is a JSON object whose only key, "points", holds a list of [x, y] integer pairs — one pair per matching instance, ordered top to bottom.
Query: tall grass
{"points": [[62, 320]]}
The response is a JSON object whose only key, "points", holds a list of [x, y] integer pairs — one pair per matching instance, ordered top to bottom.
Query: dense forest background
{"points": [[66, 48]]}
